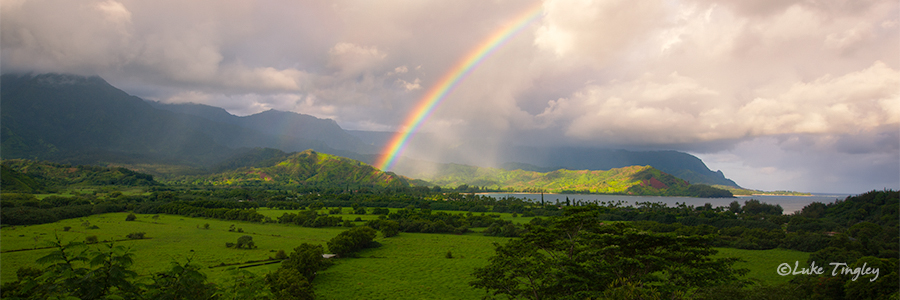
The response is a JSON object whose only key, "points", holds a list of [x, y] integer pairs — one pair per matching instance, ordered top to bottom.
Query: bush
{"points": [[131, 217], [136, 235], [92, 239], [245, 240], [352, 240], [229, 244]]}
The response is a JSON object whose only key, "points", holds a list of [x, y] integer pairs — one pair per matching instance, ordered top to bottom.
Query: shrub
{"points": [[131, 217], [136, 235], [91, 239], [245, 240], [352, 240]]}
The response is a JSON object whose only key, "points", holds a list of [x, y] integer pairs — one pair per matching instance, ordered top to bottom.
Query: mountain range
{"points": [[85, 120]]}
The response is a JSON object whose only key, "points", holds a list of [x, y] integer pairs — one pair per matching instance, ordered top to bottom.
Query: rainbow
{"points": [[449, 81]]}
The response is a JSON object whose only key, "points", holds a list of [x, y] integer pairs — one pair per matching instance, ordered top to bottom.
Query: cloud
{"points": [[597, 31], [352, 59], [706, 76], [859, 100], [813, 163]]}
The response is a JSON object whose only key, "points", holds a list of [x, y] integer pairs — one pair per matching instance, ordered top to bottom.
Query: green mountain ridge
{"points": [[273, 168], [303, 168], [27, 176], [632, 180]]}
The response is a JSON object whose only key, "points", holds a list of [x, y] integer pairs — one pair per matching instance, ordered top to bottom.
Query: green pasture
{"points": [[169, 238], [764, 263], [410, 265], [407, 266]]}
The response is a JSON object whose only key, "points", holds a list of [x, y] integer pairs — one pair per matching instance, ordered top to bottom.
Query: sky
{"points": [[778, 94]]}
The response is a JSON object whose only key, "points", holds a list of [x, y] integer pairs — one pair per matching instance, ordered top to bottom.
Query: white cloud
{"points": [[596, 31], [353, 59], [677, 74]]}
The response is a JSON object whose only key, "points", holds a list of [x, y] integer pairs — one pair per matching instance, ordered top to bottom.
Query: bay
{"points": [[790, 204]]}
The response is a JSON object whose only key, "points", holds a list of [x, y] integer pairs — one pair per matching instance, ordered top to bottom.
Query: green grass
{"points": [[169, 238], [403, 264], [763, 264], [407, 266], [410, 266]]}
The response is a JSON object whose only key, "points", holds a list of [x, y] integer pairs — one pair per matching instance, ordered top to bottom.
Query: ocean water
{"points": [[790, 204]]}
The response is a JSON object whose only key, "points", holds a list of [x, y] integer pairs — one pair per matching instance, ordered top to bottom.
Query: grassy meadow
{"points": [[404, 263], [763, 263], [407, 266]]}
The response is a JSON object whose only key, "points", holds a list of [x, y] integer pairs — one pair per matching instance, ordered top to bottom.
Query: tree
{"points": [[390, 228], [245, 240], [350, 241], [574, 256], [307, 259], [74, 270], [293, 280], [182, 281], [286, 283]]}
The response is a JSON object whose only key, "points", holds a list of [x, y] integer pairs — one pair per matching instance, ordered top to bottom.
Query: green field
{"points": [[169, 238], [404, 263], [763, 263], [407, 266], [410, 266]]}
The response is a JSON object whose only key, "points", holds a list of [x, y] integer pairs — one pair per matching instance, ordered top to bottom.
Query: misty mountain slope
{"points": [[76, 118], [84, 120], [278, 123]]}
